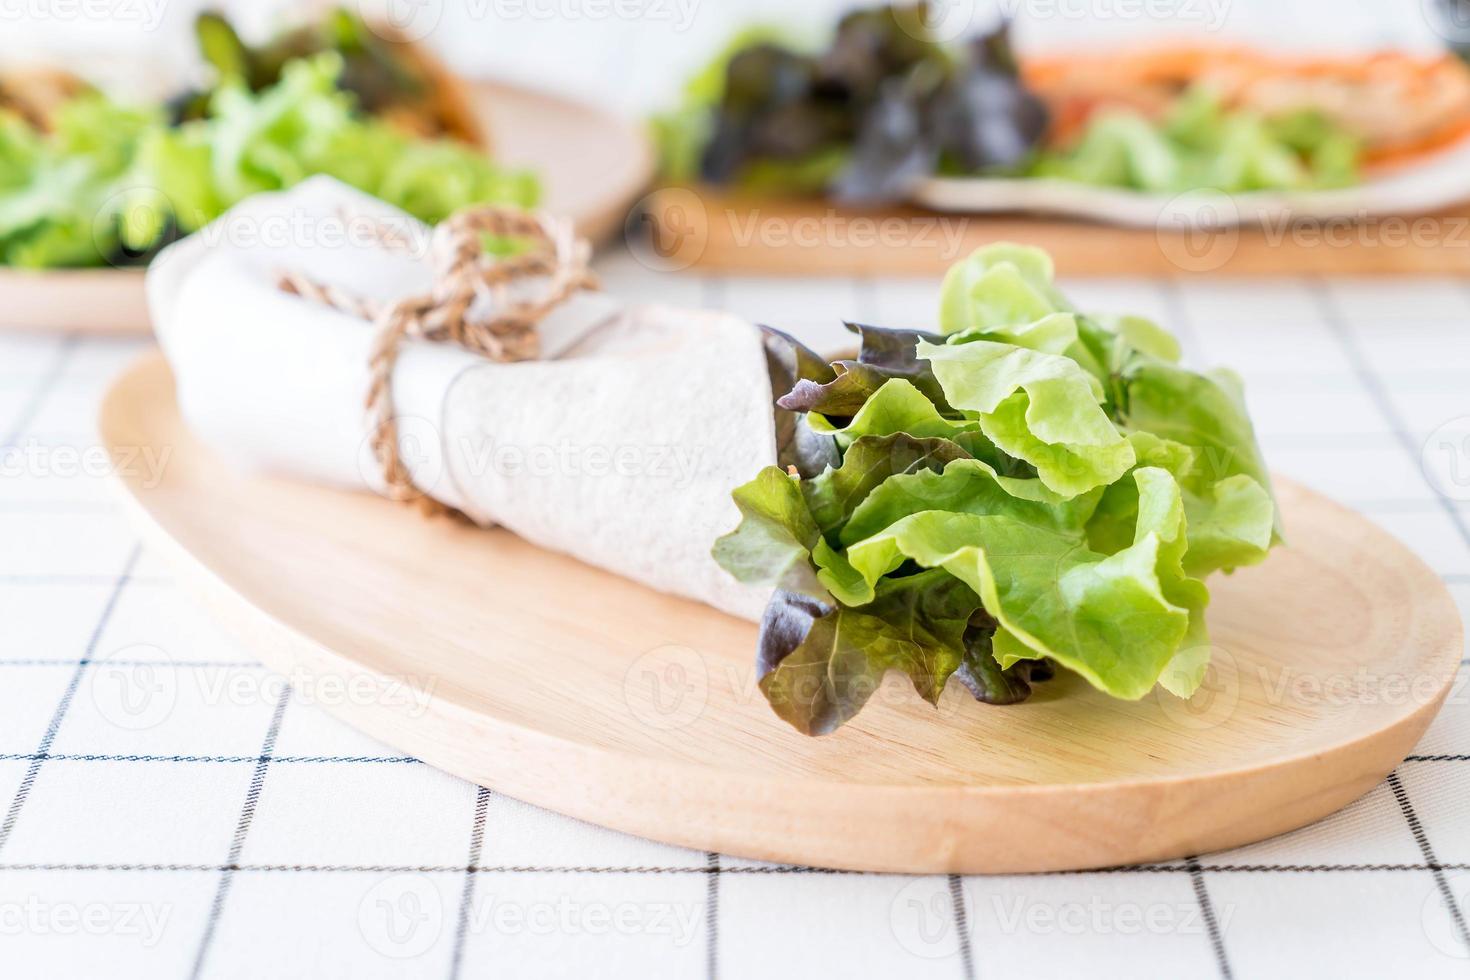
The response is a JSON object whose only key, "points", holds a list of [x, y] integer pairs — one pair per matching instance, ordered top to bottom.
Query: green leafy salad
{"points": [[885, 103], [305, 125], [1202, 144], [107, 184], [60, 192], [1031, 488]]}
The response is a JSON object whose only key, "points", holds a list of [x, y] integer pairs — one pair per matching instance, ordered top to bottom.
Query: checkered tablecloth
{"points": [[168, 809]]}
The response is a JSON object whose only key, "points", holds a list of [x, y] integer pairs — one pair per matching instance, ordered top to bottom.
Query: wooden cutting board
{"points": [[591, 165], [712, 231], [576, 690]]}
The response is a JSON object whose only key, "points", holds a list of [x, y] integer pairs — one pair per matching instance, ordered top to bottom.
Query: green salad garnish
{"points": [[885, 103], [306, 125], [1202, 144], [111, 184], [59, 190], [1031, 488]]}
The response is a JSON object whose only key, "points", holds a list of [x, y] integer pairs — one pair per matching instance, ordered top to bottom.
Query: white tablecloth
{"points": [[168, 810]]}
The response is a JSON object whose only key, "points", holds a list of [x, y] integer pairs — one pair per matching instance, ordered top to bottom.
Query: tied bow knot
{"points": [[487, 304]]}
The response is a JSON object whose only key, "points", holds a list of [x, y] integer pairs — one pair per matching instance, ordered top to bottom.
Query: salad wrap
{"points": [[620, 448], [1028, 489]]}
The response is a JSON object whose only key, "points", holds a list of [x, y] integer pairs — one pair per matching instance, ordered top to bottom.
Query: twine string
{"points": [[466, 279]]}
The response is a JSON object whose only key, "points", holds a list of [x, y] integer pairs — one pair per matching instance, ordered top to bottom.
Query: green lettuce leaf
{"points": [[305, 125], [680, 134], [1201, 144], [111, 183], [62, 194], [998, 286], [1054, 333], [892, 348], [848, 384], [896, 406], [1043, 408], [799, 446], [868, 463], [966, 487], [1036, 488], [1228, 488], [772, 545], [1114, 619], [819, 664], [983, 675]]}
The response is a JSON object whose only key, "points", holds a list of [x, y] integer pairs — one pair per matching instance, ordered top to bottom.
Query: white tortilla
{"points": [[622, 451]]}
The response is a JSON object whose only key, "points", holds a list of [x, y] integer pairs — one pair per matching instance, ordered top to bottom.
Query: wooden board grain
{"points": [[591, 164], [712, 231], [576, 690]]}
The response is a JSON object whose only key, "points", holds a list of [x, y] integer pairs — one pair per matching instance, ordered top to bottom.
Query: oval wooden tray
{"points": [[592, 166], [578, 691]]}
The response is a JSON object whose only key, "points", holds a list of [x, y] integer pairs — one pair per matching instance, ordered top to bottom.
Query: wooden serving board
{"points": [[592, 166], [713, 231], [575, 690]]}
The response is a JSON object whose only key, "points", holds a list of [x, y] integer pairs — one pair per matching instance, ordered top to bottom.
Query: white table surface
{"points": [[166, 810]]}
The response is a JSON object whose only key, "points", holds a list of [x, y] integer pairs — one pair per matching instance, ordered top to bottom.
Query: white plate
{"points": [[1437, 182]]}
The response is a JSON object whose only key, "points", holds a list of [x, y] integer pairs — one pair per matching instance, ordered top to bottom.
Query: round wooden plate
{"points": [[592, 166], [578, 691]]}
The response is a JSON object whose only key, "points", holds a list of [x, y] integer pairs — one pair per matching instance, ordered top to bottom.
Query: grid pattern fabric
{"points": [[170, 809]]}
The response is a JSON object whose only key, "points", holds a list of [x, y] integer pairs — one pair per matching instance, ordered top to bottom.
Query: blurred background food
{"points": [[586, 49], [388, 76], [885, 102], [881, 103], [1393, 103], [178, 109], [87, 178]]}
